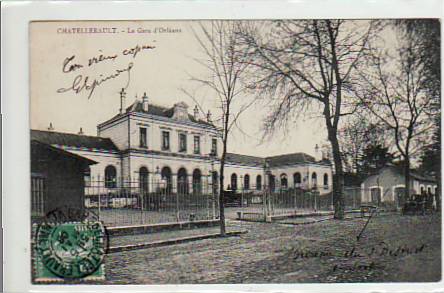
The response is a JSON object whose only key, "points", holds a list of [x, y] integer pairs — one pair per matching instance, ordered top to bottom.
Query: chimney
{"points": [[122, 100], [145, 102], [196, 113], [209, 116], [50, 128], [80, 131], [318, 155]]}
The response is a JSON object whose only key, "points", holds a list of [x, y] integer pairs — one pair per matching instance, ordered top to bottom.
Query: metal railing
{"points": [[283, 200], [136, 202]]}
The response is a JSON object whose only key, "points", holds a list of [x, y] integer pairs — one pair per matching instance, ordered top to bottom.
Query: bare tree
{"points": [[224, 62], [308, 64], [394, 90], [355, 135]]}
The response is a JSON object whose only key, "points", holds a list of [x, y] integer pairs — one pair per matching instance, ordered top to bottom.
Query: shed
{"points": [[57, 179]]}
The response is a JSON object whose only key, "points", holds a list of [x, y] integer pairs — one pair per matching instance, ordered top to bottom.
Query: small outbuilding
{"points": [[57, 179], [387, 186]]}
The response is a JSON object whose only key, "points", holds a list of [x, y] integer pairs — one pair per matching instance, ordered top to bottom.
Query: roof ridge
{"points": [[137, 101], [69, 133], [245, 155]]}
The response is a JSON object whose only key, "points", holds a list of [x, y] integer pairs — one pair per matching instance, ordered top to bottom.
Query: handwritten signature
{"points": [[85, 83]]}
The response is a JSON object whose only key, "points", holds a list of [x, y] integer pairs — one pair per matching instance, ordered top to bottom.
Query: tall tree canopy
{"points": [[297, 65]]}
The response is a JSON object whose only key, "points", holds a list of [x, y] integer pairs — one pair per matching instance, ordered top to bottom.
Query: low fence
{"points": [[294, 200], [134, 203]]}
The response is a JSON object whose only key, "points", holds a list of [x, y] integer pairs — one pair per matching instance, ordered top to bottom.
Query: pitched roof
{"points": [[157, 110], [73, 140], [37, 145], [289, 159], [244, 160], [273, 161], [413, 173]]}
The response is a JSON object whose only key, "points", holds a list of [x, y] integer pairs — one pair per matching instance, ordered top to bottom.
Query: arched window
{"points": [[110, 176], [166, 178], [143, 179], [297, 179], [314, 180], [325, 180], [182, 181], [197, 181], [284, 181], [215, 182], [234, 182], [247, 182], [258, 182], [272, 182], [422, 189], [429, 190]]}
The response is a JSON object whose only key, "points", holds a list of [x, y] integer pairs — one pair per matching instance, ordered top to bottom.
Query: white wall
{"points": [[118, 133], [241, 171], [306, 172]]}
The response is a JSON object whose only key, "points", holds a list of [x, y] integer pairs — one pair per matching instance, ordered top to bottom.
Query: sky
{"points": [[61, 60]]}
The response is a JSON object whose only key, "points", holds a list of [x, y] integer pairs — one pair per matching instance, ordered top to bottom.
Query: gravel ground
{"points": [[393, 248]]}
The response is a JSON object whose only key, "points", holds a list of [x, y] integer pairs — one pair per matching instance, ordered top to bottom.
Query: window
{"points": [[142, 136], [165, 140], [182, 142], [197, 144], [214, 146], [110, 177], [166, 179], [297, 179], [143, 180], [272, 180], [314, 180], [182, 181], [284, 181], [325, 181], [197, 182], [215, 182], [234, 182], [247, 182], [258, 182], [38, 195]]}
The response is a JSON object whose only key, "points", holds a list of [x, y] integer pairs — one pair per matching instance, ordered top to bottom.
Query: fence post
{"points": [[98, 194], [177, 205], [315, 207]]}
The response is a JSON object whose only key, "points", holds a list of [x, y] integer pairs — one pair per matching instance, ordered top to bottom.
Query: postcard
{"points": [[218, 151], [209, 152]]}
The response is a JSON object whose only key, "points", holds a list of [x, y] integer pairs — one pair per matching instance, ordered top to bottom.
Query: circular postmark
{"points": [[72, 249]]}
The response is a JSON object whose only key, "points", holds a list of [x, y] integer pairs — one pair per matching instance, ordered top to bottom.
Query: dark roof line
{"points": [[156, 110], [73, 140], [63, 152], [273, 161]]}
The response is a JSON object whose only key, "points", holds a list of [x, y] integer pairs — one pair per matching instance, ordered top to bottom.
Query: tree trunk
{"points": [[407, 177], [338, 178], [221, 179], [221, 192]]}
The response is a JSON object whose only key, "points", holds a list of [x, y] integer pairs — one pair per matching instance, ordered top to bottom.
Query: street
{"points": [[392, 248]]}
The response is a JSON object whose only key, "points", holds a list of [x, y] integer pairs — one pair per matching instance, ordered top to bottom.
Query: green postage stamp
{"points": [[69, 251]]}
